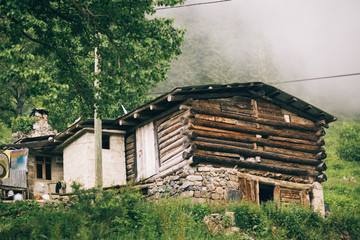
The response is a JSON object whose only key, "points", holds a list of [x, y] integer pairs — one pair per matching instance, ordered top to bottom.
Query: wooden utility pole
{"points": [[98, 136]]}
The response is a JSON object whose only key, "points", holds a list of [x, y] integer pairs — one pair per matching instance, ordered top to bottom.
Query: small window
{"points": [[105, 141], [43, 168]]}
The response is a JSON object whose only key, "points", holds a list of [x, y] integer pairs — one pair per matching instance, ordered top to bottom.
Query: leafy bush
{"points": [[23, 124], [349, 142]]}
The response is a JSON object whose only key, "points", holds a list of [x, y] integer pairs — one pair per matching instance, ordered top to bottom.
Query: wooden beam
{"points": [[237, 128], [254, 153], [253, 165]]}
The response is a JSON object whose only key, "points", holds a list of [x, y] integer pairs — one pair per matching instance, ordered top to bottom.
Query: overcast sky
{"points": [[309, 38]]}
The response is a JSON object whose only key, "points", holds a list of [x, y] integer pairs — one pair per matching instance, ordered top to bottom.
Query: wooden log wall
{"points": [[253, 134], [170, 140], [130, 156]]}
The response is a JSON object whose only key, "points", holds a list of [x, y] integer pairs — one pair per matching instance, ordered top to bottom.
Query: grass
{"points": [[337, 191]]}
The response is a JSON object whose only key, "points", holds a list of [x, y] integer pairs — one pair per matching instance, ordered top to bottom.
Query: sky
{"points": [[308, 38]]}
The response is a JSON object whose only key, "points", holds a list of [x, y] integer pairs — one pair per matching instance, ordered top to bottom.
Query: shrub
{"points": [[23, 124], [349, 142]]}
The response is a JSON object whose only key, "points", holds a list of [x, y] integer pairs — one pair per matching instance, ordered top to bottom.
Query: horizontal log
{"points": [[270, 122], [322, 123], [169, 130], [281, 133], [320, 133], [169, 136], [130, 139], [292, 140], [170, 141], [259, 141], [225, 142], [320, 142], [173, 145], [130, 146], [290, 152], [254, 153], [321, 155], [166, 156], [233, 161], [171, 162], [321, 167], [169, 171], [321, 178], [275, 182]]}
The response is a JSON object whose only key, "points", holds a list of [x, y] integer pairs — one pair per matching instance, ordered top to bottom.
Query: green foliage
{"points": [[48, 49], [23, 124], [5, 133], [349, 142], [343, 186], [123, 214]]}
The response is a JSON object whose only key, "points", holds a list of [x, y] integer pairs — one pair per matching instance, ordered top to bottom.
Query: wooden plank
{"points": [[282, 123], [244, 129], [168, 136], [247, 138], [170, 141], [177, 143], [146, 152], [171, 153], [254, 153], [200, 156], [171, 162], [275, 182]]}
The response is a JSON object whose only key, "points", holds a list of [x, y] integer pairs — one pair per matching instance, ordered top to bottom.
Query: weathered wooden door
{"points": [[146, 152], [249, 190], [288, 195]]}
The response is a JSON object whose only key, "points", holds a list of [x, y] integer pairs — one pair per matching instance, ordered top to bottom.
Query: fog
{"points": [[307, 39]]}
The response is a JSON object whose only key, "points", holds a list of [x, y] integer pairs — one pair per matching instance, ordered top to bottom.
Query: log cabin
{"points": [[247, 141]]}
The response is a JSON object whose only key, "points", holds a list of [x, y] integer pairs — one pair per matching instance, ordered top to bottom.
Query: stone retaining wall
{"points": [[201, 183]]}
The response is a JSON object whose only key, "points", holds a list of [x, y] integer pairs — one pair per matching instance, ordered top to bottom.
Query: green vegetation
{"points": [[23, 124], [349, 142], [343, 186], [124, 214]]}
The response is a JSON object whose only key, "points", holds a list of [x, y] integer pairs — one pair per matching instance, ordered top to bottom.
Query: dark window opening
{"points": [[105, 141], [43, 167], [39, 170], [266, 193]]}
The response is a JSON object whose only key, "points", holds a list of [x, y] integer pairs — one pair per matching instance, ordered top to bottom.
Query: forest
{"points": [[47, 56]]}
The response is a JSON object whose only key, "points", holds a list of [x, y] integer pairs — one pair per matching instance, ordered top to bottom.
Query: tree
{"points": [[135, 50], [218, 51], [349, 142]]}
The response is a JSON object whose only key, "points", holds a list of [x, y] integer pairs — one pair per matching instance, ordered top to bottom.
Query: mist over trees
{"points": [[218, 51]]}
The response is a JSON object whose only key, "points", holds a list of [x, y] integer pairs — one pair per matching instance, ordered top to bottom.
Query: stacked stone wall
{"points": [[201, 183]]}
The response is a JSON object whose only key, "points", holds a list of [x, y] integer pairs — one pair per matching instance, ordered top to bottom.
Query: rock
{"points": [[203, 169], [174, 178], [194, 178], [234, 178], [198, 183], [222, 183], [186, 184], [232, 185], [210, 187], [219, 190], [187, 194], [197, 194], [215, 196], [199, 200]]}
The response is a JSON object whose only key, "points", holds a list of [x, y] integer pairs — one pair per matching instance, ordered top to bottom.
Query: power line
{"points": [[192, 4], [319, 78], [291, 81]]}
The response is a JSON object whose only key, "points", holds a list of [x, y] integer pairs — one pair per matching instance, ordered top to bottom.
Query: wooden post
{"points": [[98, 136]]}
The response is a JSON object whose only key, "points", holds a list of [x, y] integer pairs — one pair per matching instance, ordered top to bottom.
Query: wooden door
{"points": [[249, 190]]}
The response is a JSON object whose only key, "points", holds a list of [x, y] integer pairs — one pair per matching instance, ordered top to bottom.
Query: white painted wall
{"points": [[79, 161]]}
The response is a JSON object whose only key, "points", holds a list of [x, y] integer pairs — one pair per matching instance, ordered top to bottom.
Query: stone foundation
{"points": [[201, 183]]}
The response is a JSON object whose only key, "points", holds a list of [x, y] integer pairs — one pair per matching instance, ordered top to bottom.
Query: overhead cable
{"points": [[192, 4]]}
